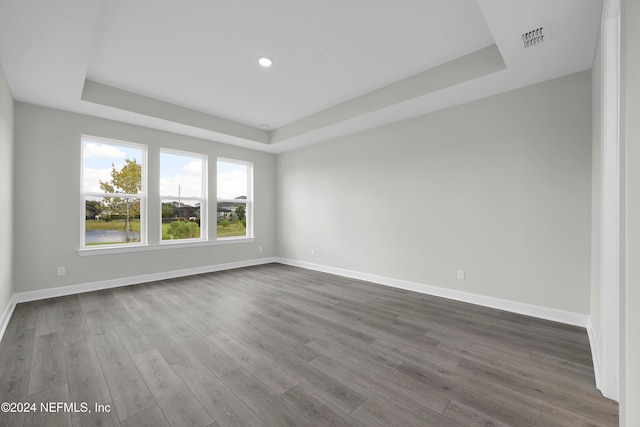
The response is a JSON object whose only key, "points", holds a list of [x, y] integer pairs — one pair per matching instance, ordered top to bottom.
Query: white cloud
{"points": [[94, 149], [194, 168], [92, 177], [232, 184], [189, 186]]}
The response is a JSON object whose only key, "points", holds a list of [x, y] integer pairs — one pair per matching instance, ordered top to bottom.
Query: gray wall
{"points": [[499, 187], [6, 192], [47, 203], [631, 408]]}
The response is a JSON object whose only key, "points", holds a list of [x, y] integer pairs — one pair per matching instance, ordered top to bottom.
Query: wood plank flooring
{"points": [[275, 345]]}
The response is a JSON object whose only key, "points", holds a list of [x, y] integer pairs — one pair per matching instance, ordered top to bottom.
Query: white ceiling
{"points": [[340, 66]]}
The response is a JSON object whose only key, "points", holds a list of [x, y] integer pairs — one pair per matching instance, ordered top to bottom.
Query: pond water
{"points": [[93, 237]]}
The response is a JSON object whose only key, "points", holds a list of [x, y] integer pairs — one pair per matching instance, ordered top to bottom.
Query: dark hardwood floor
{"points": [[275, 345]]}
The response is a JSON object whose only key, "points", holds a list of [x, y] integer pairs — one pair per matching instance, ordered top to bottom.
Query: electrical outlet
{"points": [[259, 248], [313, 252], [61, 271], [461, 274]]}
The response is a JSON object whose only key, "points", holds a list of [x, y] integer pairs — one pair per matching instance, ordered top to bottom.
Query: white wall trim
{"points": [[172, 244], [133, 280], [19, 297], [6, 316], [567, 317], [571, 318], [594, 354], [607, 376], [624, 409]]}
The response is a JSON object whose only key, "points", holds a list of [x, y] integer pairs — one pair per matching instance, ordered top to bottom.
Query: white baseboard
{"points": [[134, 280], [19, 297], [546, 313], [6, 316], [567, 317], [594, 356]]}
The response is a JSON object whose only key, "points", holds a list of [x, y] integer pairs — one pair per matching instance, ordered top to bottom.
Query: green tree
{"points": [[126, 181], [169, 209], [241, 212], [182, 230]]}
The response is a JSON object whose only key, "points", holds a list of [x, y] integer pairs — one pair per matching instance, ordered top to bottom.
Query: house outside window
{"points": [[183, 189], [234, 198]]}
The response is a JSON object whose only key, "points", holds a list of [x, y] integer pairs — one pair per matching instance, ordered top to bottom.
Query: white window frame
{"points": [[85, 194], [203, 198], [248, 202]]}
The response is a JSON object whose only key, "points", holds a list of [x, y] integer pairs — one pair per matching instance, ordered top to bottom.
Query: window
{"points": [[183, 187], [113, 192], [115, 195], [234, 212]]}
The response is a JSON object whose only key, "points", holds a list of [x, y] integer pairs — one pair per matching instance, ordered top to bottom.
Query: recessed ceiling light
{"points": [[265, 62]]}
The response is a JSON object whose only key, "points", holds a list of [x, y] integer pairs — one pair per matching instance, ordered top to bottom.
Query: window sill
{"points": [[161, 246]]}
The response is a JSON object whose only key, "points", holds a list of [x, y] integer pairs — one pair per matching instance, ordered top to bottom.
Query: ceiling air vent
{"points": [[534, 37]]}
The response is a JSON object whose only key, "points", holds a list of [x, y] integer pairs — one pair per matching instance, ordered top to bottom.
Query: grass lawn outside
{"points": [[118, 224], [232, 230], [110, 243]]}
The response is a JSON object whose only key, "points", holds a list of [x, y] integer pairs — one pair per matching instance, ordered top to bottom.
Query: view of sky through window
{"points": [[99, 159], [180, 175], [232, 180]]}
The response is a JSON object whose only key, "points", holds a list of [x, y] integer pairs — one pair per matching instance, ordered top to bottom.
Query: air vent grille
{"points": [[534, 37]]}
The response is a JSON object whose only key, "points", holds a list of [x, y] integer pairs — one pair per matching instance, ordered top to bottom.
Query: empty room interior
{"points": [[284, 213]]}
